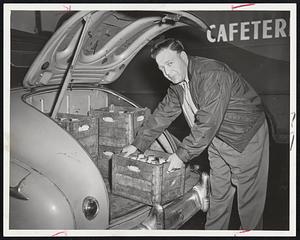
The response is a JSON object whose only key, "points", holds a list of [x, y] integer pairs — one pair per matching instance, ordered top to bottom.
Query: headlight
{"points": [[90, 207]]}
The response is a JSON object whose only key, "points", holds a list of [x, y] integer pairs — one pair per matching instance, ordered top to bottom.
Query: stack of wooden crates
{"points": [[103, 133]]}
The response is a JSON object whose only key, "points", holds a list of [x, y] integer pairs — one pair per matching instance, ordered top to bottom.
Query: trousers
{"points": [[246, 173]]}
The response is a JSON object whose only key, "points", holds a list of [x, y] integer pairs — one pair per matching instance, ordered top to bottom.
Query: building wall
{"points": [[26, 20]]}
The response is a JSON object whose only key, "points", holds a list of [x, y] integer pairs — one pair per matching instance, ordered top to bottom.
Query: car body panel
{"points": [[40, 198]]}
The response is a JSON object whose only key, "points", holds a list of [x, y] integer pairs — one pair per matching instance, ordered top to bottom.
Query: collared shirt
{"points": [[188, 106]]}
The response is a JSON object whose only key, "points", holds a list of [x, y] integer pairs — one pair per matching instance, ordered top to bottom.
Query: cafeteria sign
{"points": [[248, 30]]}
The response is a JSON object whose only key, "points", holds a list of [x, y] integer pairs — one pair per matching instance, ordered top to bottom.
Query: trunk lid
{"points": [[96, 46]]}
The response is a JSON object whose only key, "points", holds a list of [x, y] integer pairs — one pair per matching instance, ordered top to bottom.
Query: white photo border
{"points": [[7, 8]]}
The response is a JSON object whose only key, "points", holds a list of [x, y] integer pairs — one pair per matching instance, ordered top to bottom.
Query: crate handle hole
{"points": [[140, 118], [108, 119], [83, 128], [107, 153], [133, 168]]}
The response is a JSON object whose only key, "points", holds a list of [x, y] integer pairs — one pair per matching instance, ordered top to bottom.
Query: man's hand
{"points": [[128, 150], [175, 162]]}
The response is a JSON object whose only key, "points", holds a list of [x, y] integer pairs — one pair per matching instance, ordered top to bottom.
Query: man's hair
{"points": [[168, 43]]}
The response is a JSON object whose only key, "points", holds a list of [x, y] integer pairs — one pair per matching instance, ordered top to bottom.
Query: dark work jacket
{"points": [[228, 108]]}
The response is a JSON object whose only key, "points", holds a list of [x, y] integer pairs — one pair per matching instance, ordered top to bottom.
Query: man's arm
{"points": [[217, 90], [165, 113]]}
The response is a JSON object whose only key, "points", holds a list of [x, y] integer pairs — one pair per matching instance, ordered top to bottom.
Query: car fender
{"points": [[36, 202]]}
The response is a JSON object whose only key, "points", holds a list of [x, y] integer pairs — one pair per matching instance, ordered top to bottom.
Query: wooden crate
{"points": [[118, 125], [84, 129], [105, 158], [145, 182]]}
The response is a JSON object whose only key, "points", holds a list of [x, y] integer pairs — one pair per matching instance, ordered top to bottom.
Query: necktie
{"points": [[188, 106]]}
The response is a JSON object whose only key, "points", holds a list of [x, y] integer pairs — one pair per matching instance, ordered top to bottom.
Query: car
{"points": [[112, 65], [54, 182]]}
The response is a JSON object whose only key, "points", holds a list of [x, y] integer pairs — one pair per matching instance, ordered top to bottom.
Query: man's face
{"points": [[172, 64]]}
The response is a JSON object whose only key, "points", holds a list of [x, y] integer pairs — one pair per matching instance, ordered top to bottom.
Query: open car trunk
{"points": [[79, 100]]}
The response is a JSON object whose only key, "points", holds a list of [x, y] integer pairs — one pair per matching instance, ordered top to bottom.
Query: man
{"points": [[226, 115]]}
